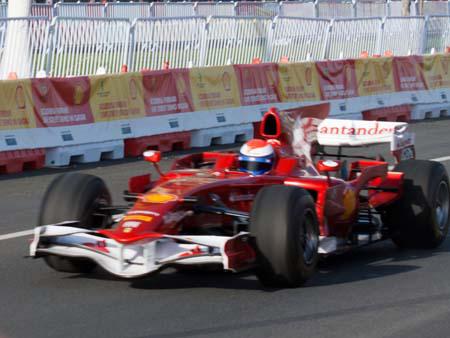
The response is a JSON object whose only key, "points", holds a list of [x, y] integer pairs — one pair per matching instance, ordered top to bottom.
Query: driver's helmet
{"points": [[256, 157]]}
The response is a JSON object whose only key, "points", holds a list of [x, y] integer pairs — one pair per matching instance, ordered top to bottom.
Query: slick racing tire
{"points": [[74, 197], [420, 218], [284, 224]]}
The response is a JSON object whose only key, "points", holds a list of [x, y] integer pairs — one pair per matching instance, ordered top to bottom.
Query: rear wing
{"points": [[354, 133]]}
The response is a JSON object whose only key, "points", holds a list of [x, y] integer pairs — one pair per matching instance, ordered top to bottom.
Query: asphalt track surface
{"points": [[377, 291]]}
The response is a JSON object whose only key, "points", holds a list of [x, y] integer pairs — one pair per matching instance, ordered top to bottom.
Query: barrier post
{"points": [[316, 8], [52, 34], [269, 43], [423, 43], [203, 44], [326, 45], [131, 50]]}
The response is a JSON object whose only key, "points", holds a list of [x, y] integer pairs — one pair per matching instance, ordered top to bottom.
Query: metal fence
{"points": [[301, 8], [80, 10], [130, 11], [437, 34], [403, 35], [349, 37], [299, 38], [178, 40], [233, 40], [27, 41], [82, 46]]}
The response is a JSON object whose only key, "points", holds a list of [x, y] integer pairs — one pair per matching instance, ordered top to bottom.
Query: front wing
{"points": [[146, 255]]}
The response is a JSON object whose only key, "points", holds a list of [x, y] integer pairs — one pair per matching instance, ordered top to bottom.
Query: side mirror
{"points": [[270, 125], [152, 156], [327, 166]]}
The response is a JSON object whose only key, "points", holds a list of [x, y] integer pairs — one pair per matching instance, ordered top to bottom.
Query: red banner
{"points": [[407, 73], [337, 79], [258, 83], [167, 92], [61, 102]]}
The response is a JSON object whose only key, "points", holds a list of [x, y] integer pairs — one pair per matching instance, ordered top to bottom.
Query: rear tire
{"points": [[74, 197], [420, 219], [284, 224]]}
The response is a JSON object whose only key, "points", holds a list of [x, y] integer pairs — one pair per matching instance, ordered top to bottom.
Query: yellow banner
{"points": [[436, 71], [374, 76], [298, 82], [214, 88], [117, 97], [16, 105]]}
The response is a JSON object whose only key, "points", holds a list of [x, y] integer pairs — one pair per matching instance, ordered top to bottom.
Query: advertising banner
{"points": [[435, 69], [407, 73], [374, 76], [337, 79], [298, 82], [258, 83], [214, 88], [167, 92], [117, 97], [61, 102], [16, 105]]}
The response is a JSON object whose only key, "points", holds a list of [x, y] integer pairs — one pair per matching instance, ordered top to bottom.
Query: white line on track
{"points": [[441, 159], [30, 232], [16, 234]]}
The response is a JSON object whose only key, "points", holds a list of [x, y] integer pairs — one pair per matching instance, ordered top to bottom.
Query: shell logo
{"points": [[159, 198], [349, 202]]}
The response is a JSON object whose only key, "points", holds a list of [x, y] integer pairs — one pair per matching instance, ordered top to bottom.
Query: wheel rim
{"points": [[442, 206], [309, 239]]}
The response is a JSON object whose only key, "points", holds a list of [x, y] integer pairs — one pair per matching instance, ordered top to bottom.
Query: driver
{"points": [[256, 157]]}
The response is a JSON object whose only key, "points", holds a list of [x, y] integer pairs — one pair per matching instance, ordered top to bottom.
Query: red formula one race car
{"points": [[274, 207]]}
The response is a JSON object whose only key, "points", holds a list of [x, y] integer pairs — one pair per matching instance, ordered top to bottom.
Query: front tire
{"points": [[74, 197], [420, 219], [284, 224]]}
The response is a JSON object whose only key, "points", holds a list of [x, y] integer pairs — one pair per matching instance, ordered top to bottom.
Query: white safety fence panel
{"points": [[435, 7], [371, 8], [395, 8], [172, 9], [214, 9], [260, 9], [298, 9], [335, 9], [42, 10], [80, 10], [130, 11], [438, 33], [403, 35], [349, 37], [299, 39], [174, 40], [237, 40], [80, 46], [26, 57]]}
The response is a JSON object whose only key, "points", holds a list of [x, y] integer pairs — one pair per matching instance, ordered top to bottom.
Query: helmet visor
{"points": [[255, 167]]}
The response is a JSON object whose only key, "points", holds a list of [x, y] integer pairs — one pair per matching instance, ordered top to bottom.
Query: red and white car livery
{"points": [[206, 210]]}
